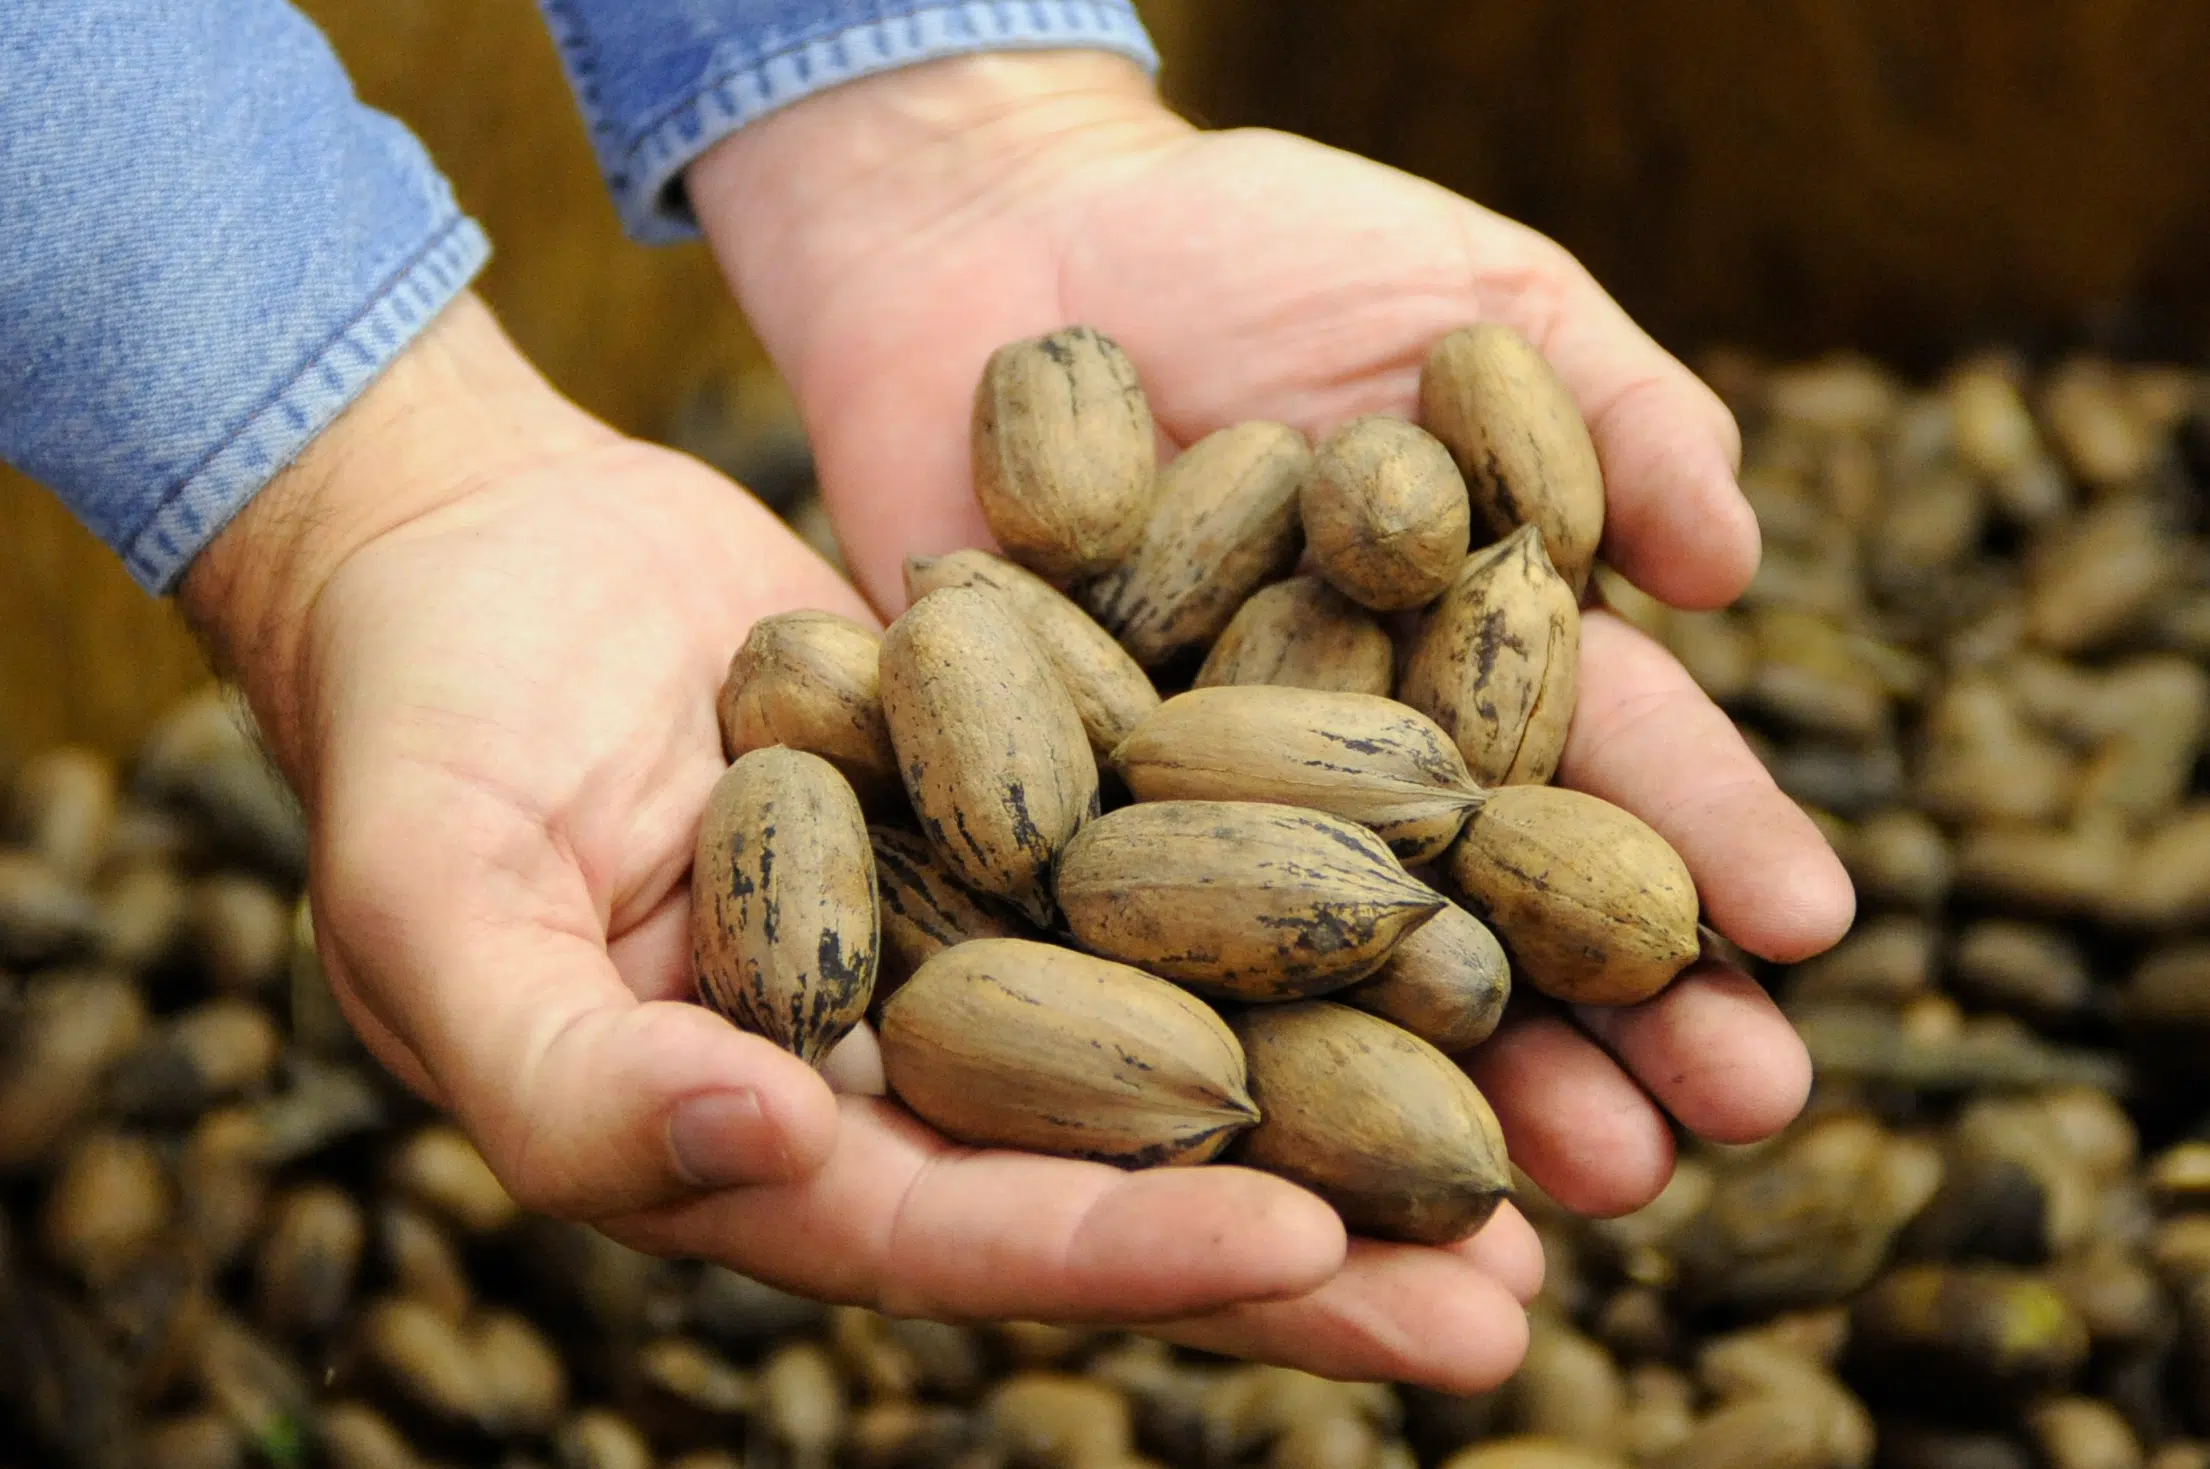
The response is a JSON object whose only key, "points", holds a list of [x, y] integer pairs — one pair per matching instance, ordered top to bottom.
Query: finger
{"points": [[1675, 521], [1645, 737], [474, 933], [1714, 1050], [1575, 1122], [902, 1221], [1509, 1252], [1394, 1313]]}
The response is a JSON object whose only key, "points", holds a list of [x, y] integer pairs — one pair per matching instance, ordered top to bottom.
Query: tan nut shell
{"points": [[1519, 441], [1064, 452], [1385, 513], [1225, 523], [1305, 634], [1497, 663], [808, 680], [1110, 691], [989, 742], [1363, 758], [63, 807], [1237, 898], [783, 902], [1594, 906], [923, 910], [43, 915], [1446, 982], [1010, 1043], [1374, 1120], [1532, 1451]]}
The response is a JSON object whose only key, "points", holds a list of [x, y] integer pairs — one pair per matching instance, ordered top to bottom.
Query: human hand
{"points": [[885, 236], [482, 634]]}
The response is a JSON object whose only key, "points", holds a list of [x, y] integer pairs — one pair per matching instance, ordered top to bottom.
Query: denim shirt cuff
{"points": [[657, 92], [211, 247], [196, 510]]}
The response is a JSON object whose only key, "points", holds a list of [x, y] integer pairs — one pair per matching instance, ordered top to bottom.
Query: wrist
{"points": [[797, 201], [458, 408]]}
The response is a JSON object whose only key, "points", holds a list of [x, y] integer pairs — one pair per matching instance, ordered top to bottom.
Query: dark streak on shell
{"points": [[1518, 438], [1063, 452], [1224, 523], [1305, 634], [1497, 662], [1110, 691], [990, 745], [1358, 756], [1239, 899], [783, 902], [924, 910], [1447, 982]]}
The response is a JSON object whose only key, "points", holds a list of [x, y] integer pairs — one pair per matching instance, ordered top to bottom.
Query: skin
{"points": [[483, 634]]}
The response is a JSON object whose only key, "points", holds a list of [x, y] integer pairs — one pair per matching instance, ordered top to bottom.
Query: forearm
{"points": [[212, 247]]}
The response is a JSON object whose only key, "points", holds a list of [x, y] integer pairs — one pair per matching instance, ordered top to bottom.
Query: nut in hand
{"points": [[1238, 899], [783, 902], [1011, 1043]]}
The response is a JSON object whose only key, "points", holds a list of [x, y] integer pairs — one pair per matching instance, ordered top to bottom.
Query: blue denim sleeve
{"points": [[659, 81], [210, 248]]}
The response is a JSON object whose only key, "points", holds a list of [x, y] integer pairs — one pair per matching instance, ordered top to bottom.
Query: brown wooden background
{"points": [[1793, 174]]}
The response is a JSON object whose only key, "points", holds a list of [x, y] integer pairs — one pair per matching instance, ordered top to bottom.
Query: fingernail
{"points": [[725, 1139]]}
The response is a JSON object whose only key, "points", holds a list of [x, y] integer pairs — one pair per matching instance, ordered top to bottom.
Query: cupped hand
{"points": [[886, 236], [483, 635]]}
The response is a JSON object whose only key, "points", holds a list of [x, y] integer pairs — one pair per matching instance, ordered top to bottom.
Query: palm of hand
{"points": [[1249, 275], [1254, 275], [531, 705], [506, 800], [506, 807]]}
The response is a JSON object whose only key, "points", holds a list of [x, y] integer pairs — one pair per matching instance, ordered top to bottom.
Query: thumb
{"points": [[494, 976]]}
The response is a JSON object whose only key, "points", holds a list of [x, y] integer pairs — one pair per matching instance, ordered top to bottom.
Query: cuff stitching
{"points": [[645, 177], [194, 510]]}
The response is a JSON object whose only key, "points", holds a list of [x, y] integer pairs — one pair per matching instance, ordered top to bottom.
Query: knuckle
{"points": [[538, 1189]]}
